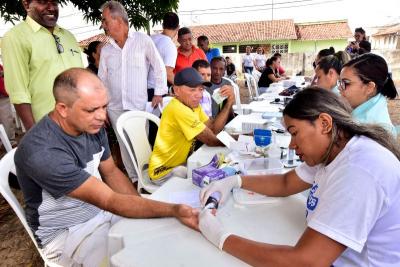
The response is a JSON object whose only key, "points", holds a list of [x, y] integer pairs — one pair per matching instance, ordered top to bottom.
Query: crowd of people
{"points": [[74, 192]]}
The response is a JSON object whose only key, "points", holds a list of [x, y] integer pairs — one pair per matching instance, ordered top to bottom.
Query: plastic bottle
{"points": [[274, 151]]}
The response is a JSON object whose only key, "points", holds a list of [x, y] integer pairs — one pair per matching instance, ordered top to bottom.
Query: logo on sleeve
{"points": [[195, 124], [312, 200]]}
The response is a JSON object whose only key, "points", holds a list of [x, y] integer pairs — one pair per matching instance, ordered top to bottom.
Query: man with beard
{"points": [[34, 53]]}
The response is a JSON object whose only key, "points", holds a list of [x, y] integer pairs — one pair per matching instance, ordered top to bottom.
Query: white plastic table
{"points": [[165, 242]]}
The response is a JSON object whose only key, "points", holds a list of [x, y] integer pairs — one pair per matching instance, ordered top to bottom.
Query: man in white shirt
{"points": [[166, 47], [124, 67]]}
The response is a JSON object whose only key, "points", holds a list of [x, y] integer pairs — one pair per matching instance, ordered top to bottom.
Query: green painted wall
{"points": [[295, 46]]}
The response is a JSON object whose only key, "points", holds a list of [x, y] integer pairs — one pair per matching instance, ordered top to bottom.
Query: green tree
{"points": [[141, 13]]}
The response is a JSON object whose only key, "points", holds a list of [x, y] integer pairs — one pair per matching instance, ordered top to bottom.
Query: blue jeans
{"points": [[248, 70]]}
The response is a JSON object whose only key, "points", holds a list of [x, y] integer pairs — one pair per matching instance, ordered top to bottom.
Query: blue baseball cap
{"points": [[190, 77]]}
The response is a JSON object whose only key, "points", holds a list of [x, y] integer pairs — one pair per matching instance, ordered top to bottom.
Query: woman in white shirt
{"points": [[260, 59], [248, 61], [353, 209]]}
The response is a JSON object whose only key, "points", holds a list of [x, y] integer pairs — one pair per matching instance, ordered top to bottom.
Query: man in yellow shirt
{"points": [[34, 53], [183, 122]]}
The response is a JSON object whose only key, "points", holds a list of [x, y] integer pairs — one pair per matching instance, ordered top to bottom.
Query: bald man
{"points": [[72, 188]]}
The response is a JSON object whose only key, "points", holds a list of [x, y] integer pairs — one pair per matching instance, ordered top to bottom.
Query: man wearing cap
{"points": [[182, 123]]}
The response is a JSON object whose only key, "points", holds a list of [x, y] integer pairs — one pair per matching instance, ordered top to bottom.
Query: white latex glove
{"points": [[223, 186], [212, 228]]}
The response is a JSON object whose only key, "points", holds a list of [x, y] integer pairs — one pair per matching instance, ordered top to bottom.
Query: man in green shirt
{"points": [[34, 53]]}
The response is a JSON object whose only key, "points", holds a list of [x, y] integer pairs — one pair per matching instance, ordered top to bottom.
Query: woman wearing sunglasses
{"points": [[365, 83], [352, 212]]}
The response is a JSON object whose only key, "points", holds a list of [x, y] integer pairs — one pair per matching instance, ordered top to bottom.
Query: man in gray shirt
{"points": [[218, 67], [72, 188]]}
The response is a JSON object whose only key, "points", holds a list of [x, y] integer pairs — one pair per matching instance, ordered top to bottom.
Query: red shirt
{"points": [[183, 61], [281, 70], [3, 92]]}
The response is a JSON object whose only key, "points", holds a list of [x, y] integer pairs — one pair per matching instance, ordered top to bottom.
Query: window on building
{"points": [[242, 48], [267, 48], [280, 48], [229, 49]]}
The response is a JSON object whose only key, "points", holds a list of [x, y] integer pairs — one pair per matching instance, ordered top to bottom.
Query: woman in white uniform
{"points": [[353, 209]]}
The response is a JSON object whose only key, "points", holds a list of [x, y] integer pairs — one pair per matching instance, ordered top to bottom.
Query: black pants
{"points": [[152, 126]]}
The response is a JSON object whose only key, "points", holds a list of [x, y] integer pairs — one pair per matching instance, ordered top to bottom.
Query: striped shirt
{"points": [[124, 72], [50, 164]]}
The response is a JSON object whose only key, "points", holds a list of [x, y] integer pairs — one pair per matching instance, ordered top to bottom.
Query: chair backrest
{"points": [[252, 85], [236, 90], [166, 100], [131, 127], [4, 138], [7, 165]]}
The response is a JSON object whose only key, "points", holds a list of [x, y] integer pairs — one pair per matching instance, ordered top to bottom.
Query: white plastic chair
{"points": [[252, 85], [236, 90], [166, 100], [18, 121], [131, 127], [4, 138], [6, 166]]}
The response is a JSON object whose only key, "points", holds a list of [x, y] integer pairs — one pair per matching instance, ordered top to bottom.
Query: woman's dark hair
{"points": [[170, 21], [362, 31], [365, 47], [90, 50], [326, 52], [271, 60], [335, 61], [373, 68], [311, 102]]}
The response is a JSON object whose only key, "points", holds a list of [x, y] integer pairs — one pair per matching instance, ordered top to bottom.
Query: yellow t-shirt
{"points": [[175, 137]]}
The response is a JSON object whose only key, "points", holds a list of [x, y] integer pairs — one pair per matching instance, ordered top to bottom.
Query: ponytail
{"points": [[270, 60], [373, 68], [389, 89]]}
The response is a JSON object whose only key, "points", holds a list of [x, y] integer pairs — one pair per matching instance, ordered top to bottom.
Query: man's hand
{"points": [[227, 91], [157, 99], [224, 186], [187, 216]]}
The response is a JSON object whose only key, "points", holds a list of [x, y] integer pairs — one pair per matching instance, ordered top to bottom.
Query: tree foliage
{"points": [[140, 12]]}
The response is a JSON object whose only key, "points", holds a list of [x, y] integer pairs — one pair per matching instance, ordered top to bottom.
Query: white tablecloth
{"points": [[165, 242]]}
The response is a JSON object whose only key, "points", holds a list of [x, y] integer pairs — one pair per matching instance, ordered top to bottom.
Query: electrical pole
{"points": [[272, 9]]}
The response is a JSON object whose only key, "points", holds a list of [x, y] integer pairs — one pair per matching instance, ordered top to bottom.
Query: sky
{"points": [[365, 13]]}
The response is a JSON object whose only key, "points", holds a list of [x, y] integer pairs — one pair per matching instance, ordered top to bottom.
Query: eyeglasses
{"points": [[60, 48], [342, 84]]}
